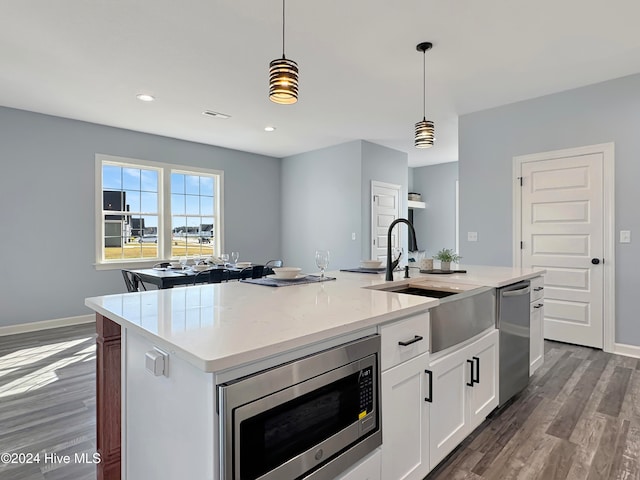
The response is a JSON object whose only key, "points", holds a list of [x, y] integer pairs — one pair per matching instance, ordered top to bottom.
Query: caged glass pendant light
{"points": [[283, 76], [425, 130]]}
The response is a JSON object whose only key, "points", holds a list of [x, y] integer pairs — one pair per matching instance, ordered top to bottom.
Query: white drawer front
{"points": [[537, 288], [413, 332]]}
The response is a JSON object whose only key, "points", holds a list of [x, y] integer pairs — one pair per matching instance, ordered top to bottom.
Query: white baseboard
{"points": [[46, 324], [627, 350]]}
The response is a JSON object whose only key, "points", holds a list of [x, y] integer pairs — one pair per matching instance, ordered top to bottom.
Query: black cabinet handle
{"points": [[595, 261], [537, 289], [538, 306], [415, 339], [477, 360], [470, 384], [430, 397]]}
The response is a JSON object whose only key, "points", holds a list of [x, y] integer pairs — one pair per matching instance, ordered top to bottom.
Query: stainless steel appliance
{"points": [[464, 310], [513, 323], [307, 419]]}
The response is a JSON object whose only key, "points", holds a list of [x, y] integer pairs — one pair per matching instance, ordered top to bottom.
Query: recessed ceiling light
{"points": [[145, 97], [211, 113], [269, 129]]}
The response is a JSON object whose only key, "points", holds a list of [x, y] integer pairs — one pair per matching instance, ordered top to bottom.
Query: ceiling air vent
{"points": [[211, 113]]}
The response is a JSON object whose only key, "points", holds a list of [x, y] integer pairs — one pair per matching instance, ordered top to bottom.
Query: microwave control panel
{"points": [[366, 391]]}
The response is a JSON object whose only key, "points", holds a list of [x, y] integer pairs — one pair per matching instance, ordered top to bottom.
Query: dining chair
{"points": [[273, 263], [255, 271], [214, 275], [133, 281]]}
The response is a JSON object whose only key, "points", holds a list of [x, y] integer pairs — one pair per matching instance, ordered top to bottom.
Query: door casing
{"points": [[608, 209]]}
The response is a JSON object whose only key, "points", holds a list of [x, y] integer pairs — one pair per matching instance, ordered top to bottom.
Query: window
{"points": [[150, 211]]}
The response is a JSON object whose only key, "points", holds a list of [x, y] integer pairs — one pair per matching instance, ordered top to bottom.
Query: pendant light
{"points": [[283, 76], [425, 129]]}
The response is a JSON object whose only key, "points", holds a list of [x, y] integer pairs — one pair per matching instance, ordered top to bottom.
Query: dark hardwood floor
{"points": [[578, 419]]}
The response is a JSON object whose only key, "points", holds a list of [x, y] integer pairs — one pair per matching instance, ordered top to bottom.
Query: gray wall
{"points": [[488, 140], [382, 164], [326, 198], [321, 206], [47, 211], [436, 224]]}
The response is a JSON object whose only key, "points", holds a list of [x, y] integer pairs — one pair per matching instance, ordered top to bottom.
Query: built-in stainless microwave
{"points": [[307, 419]]}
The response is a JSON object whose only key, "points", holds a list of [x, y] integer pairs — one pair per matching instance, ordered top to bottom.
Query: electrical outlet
{"points": [[353, 236], [472, 236], [625, 236]]}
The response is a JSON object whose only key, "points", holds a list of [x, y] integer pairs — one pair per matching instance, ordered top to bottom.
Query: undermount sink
{"points": [[424, 292]]}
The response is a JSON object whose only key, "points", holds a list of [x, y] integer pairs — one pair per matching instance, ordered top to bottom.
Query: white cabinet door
{"points": [[536, 346], [483, 396], [448, 407], [405, 420], [367, 469]]}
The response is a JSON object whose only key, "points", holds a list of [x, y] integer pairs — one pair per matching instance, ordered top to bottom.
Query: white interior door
{"points": [[385, 208], [563, 231]]}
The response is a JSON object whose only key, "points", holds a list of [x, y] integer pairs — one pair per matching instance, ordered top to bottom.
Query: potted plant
{"points": [[446, 257]]}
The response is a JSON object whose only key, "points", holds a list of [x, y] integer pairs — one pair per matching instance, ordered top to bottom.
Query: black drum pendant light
{"points": [[283, 76], [425, 129]]}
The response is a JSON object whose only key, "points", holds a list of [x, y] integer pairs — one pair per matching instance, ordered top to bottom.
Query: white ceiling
{"points": [[361, 76]]}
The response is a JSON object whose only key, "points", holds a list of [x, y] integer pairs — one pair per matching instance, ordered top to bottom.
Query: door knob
{"points": [[595, 261]]}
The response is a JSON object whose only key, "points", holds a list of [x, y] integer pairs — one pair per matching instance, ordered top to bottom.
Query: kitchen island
{"points": [[215, 333]]}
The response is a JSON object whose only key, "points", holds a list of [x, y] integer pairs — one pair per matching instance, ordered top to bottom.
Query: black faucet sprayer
{"points": [[392, 264]]}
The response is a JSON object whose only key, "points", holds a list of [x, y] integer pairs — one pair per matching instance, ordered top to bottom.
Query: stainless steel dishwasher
{"points": [[513, 323]]}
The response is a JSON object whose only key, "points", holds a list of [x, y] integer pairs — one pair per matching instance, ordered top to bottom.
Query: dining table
{"points": [[168, 277]]}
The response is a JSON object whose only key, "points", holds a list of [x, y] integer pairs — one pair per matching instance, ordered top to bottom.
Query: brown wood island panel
{"points": [[108, 399]]}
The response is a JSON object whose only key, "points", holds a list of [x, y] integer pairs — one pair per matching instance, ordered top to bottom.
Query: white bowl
{"points": [[370, 263], [175, 265], [201, 268], [286, 272]]}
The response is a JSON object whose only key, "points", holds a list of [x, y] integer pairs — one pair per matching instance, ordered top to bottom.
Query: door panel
{"points": [[385, 208], [562, 230], [484, 393], [449, 403], [405, 421]]}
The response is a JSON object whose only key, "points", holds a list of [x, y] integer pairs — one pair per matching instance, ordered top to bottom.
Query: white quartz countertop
{"points": [[220, 326]]}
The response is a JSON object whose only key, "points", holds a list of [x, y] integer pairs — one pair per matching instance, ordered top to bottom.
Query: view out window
{"points": [[192, 214], [143, 217]]}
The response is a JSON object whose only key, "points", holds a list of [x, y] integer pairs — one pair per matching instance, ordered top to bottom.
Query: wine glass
{"points": [[234, 257], [225, 258], [322, 260], [183, 262]]}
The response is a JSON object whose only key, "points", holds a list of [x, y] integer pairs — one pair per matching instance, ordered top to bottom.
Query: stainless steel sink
{"points": [[464, 310]]}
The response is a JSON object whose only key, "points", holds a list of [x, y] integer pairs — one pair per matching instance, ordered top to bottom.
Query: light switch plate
{"points": [[353, 236], [472, 236], [625, 236]]}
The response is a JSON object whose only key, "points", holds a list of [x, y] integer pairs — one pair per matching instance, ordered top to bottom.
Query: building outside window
{"points": [[149, 211]]}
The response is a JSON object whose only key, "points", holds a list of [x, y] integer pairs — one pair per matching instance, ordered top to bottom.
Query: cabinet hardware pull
{"points": [[537, 289], [540, 305], [415, 339], [477, 360], [470, 383], [430, 397]]}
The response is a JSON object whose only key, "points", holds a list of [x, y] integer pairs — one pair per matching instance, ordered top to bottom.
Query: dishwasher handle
{"points": [[515, 293]]}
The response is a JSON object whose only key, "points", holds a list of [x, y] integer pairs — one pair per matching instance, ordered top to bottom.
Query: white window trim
{"points": [[164, 210]]}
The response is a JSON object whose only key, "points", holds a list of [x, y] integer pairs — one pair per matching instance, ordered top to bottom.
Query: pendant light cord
{"points": [[282, 28], [424, 84]]}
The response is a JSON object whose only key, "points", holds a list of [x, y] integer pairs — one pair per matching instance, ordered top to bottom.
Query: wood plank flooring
{"points": [[47, 403], [579, 418]]}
